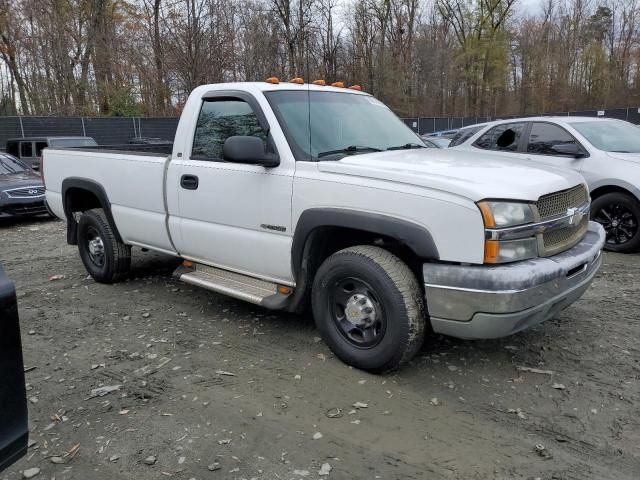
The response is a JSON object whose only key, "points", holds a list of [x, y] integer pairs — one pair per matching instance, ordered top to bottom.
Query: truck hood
{"points": [[476, 176], [17, 180]]}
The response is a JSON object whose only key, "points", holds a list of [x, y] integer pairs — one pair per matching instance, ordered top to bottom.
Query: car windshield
{"points": [[330, 125], [610, 136], [73, 142], [10, 165]]}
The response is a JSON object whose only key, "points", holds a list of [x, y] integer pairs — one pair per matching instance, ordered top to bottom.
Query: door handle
{"points": [[189, 182]]}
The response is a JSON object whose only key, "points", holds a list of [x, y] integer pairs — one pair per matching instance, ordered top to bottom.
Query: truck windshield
{"points": [[331, 125], [610, 135]]}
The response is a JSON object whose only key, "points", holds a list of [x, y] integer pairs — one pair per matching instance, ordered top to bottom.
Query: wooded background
{"points": [[421, 57]]}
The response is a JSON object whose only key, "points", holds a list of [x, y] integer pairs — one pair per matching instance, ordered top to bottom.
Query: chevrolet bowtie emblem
{"points": [[574, 215]]}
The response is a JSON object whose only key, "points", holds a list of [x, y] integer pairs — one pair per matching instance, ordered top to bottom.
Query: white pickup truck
{"points": [[287, 195]]}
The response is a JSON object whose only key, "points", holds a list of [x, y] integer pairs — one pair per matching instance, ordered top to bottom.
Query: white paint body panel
{"points": [[599, 169], [221, 223]]}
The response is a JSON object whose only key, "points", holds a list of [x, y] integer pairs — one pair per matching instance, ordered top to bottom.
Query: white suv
{"points": [[605, 151]]}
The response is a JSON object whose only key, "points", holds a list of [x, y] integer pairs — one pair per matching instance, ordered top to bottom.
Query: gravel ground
{"points": [[208, 387]]}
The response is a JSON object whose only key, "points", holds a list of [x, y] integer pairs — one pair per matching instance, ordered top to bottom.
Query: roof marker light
{"points": [[273, 80], [297, 80], [319, 82], [338, 84], [356, 87]]}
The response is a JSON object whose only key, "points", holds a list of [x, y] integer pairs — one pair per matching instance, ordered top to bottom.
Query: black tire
{"points": [[619, 214], [114, 263], [378, 283]]}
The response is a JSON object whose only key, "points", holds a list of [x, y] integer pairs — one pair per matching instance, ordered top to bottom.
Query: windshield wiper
{"points": [[407, 146], [348, 150], [620, 151]]}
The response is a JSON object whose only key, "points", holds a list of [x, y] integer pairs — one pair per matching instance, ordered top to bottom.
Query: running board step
{"points": [[235, 285]]}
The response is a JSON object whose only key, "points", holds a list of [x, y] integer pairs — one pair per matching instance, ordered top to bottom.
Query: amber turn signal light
{"points": [[273, 80], [487, 215], [491, 251], [187, 264], [284, 290]]}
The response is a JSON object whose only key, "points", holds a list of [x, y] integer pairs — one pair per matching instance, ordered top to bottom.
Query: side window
{"points": [[220, 119], [463, 135], [543, 136], [502, 138], [39, 147], [12, 148], [26, 149]]}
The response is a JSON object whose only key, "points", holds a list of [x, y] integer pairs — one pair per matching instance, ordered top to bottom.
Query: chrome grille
{"points": [[26, 192], [556, 204], [561, 239]]}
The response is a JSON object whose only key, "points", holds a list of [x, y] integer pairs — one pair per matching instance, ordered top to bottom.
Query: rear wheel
{"points": [[619, 214], [106, 259], [369, 308]]}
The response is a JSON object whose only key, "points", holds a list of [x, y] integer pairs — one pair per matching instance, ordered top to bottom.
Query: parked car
{"points": [[443, 133], [149, 141], [436, 142], [29, 149], [605, 151], [21, 189], [283, 194], [14, 431]]}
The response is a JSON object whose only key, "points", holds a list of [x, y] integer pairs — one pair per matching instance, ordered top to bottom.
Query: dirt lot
{"points": [[460, 410]]}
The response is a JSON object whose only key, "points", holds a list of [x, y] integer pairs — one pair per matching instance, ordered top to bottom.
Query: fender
{"points": [[615, 182], [96, 189], [416, 237]]}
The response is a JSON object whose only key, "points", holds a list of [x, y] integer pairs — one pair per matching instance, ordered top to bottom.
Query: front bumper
{"points": [[17, 207], [481, 301]]}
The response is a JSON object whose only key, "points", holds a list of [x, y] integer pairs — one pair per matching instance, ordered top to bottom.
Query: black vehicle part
{"points": [[80, 195], [619, 214], [415, 237], [105, 257], [369, 308], [14, 430]]}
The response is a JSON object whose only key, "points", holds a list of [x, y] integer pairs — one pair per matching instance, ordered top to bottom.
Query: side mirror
{"points": [[246, 149], [568, 149]]}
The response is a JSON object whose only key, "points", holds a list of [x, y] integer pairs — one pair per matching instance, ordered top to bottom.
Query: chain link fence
{"points": [[425, 125], [105, 130], [120, 130]]}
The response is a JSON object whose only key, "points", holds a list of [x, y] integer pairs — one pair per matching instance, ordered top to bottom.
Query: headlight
{"points": [[505, 214], [500, 216], [503, 251]]}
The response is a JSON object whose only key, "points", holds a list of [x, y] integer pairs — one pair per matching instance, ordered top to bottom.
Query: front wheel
{"points": [[619, 214], [106, 259], [369, 308]]}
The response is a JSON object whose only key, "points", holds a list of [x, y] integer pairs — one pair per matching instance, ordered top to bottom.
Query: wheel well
{"points": [[598, 192], [80, 200], [324, 241]]}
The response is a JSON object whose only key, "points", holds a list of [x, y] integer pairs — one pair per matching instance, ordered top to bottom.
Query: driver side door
{"points": [[234, 216]]}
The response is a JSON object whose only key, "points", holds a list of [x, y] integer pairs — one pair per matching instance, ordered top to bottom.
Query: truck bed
{"points": [[133, 179]]}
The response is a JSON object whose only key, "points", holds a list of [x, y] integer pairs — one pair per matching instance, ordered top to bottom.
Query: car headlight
{"points": [[505, 214], [502, 217]]}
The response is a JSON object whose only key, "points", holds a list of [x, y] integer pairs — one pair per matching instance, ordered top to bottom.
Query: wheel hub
{"points": [[96, 247], [360, 310]]}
